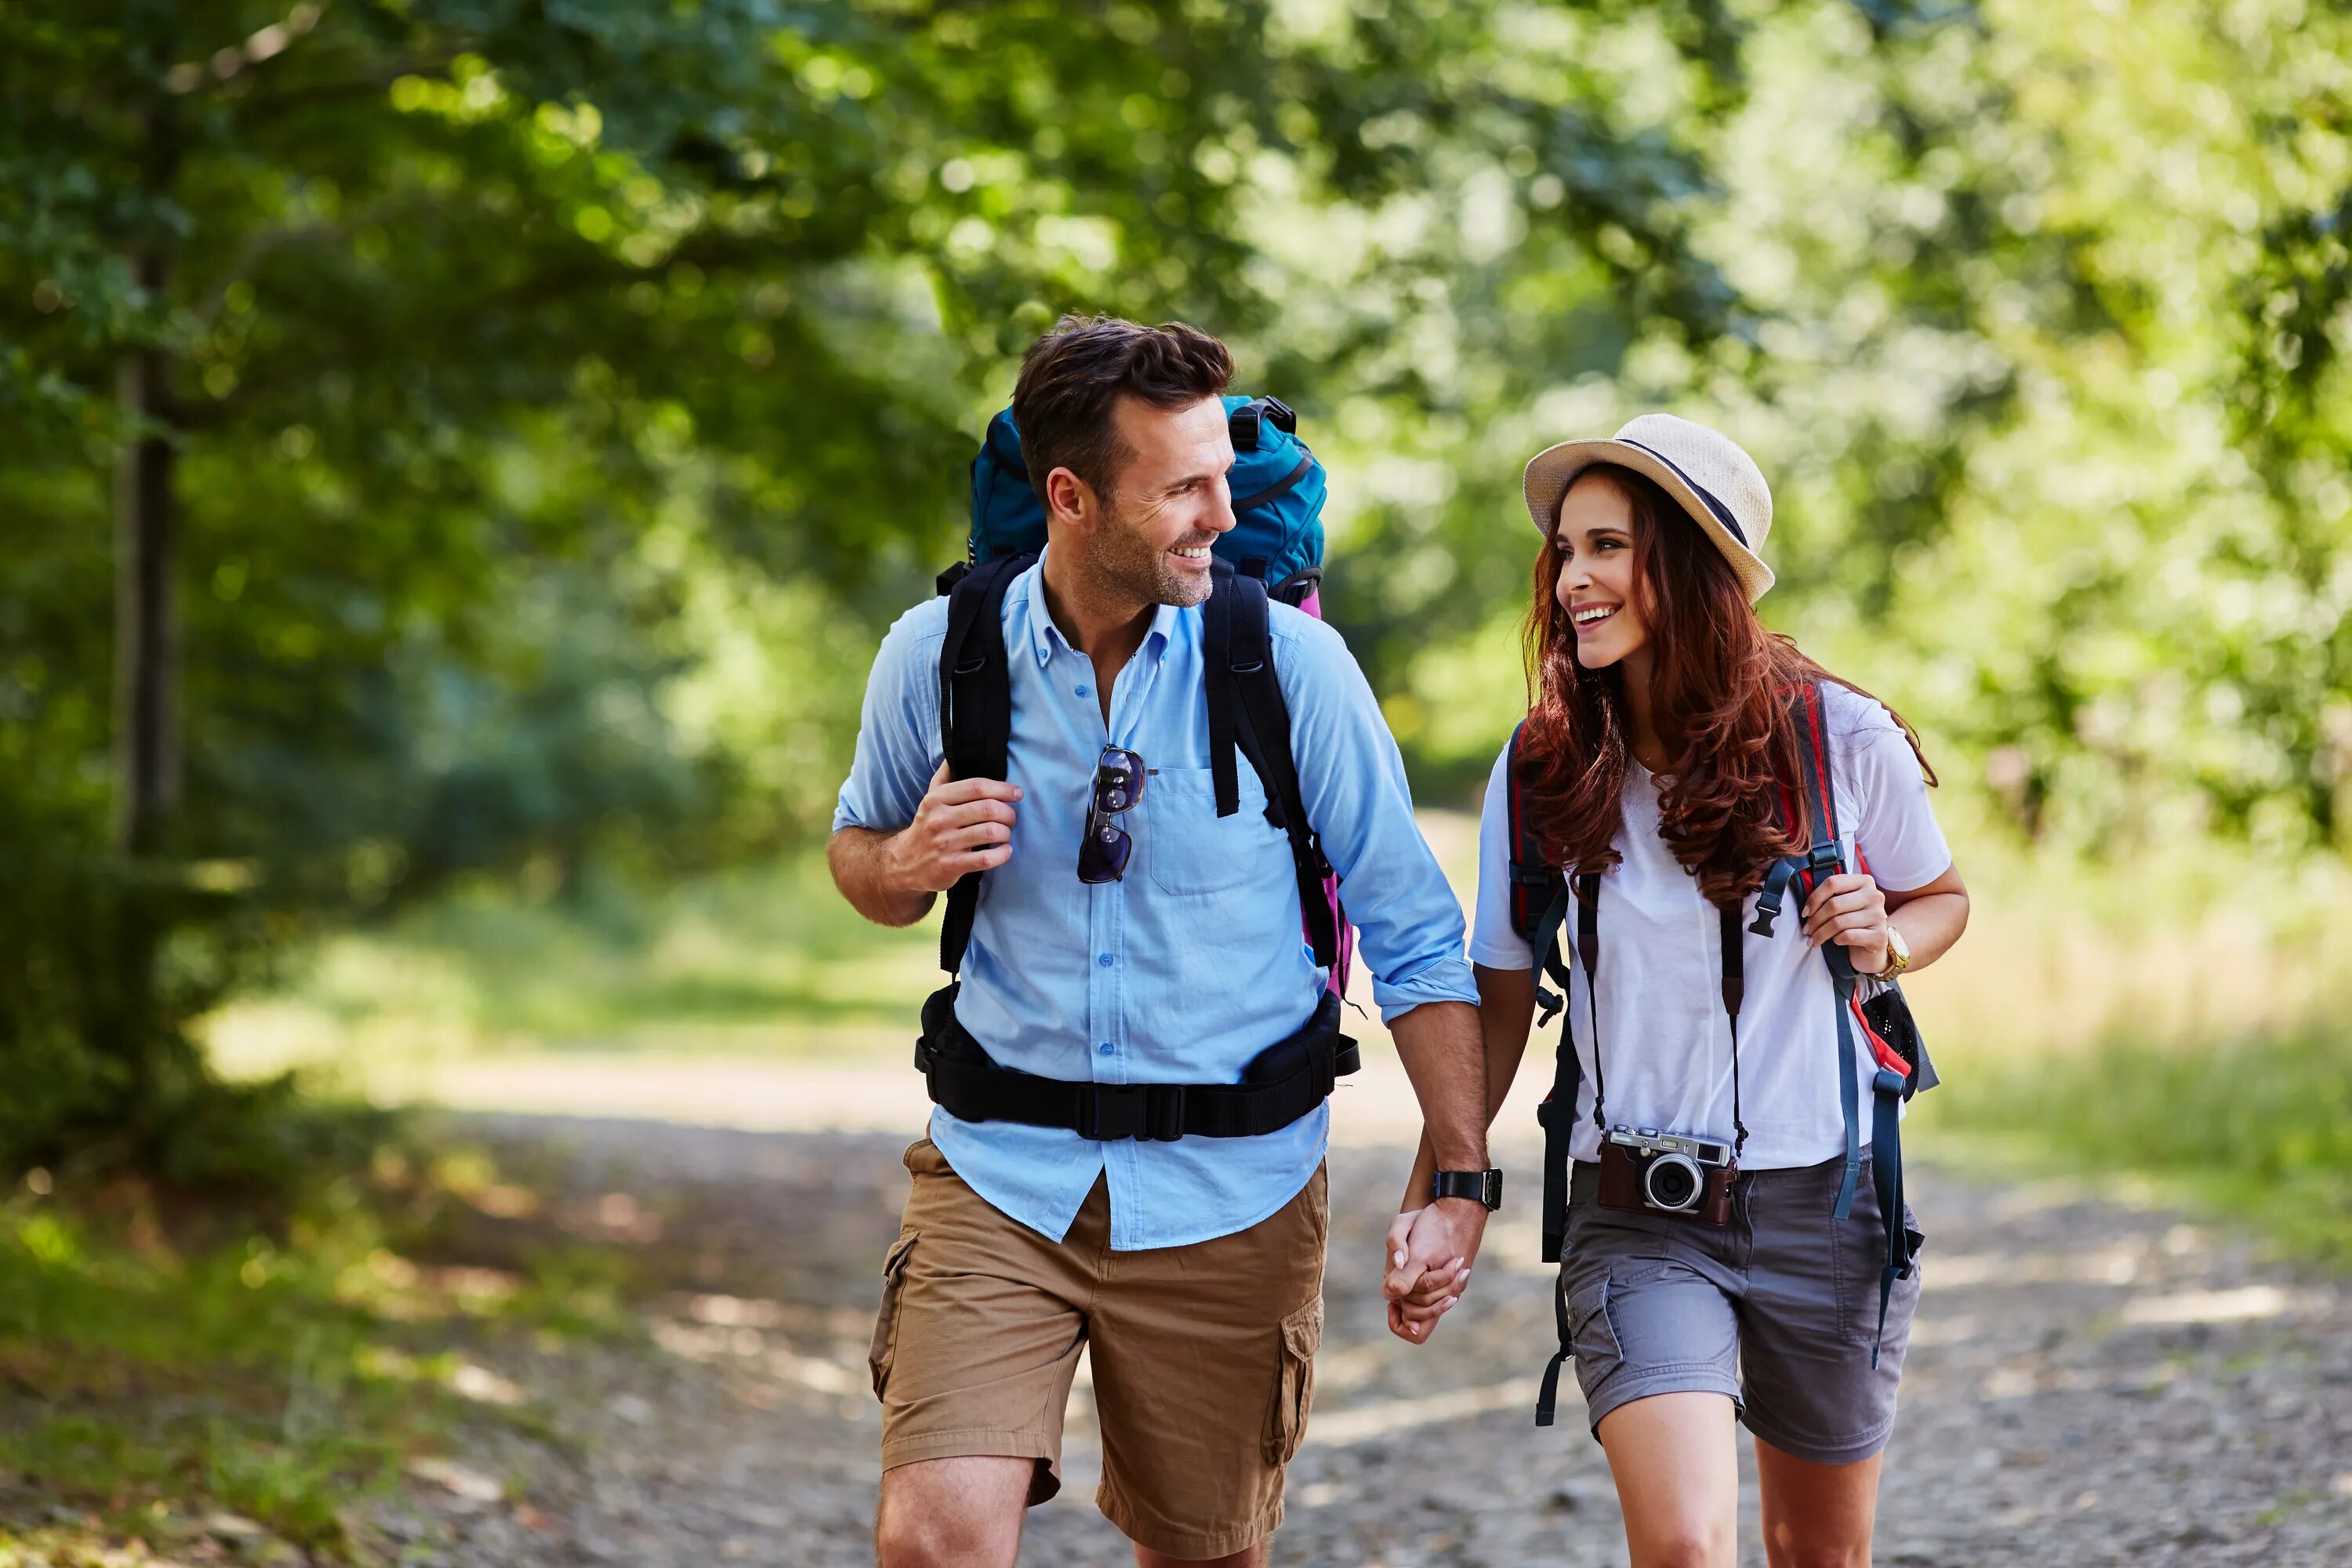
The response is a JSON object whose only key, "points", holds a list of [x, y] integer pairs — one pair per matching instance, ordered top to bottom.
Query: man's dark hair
{"points": [[1071, 381]]}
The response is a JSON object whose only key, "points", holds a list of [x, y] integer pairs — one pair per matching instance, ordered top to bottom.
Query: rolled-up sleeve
{"points": [[897, 730], [1353, 781]]}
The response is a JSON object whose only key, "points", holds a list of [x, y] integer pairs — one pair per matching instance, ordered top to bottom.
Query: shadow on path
{"points": [[2088, 1385]]}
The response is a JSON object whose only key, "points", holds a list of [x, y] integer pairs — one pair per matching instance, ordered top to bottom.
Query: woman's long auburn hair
{"points": [[1719, 698]]}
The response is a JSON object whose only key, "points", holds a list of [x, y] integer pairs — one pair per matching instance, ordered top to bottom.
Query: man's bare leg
{"points": [[962, 1512]]}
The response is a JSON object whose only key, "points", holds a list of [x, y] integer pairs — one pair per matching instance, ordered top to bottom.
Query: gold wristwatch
{"points": [[1898, 953]]}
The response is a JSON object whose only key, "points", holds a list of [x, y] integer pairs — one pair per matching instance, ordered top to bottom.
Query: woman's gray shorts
{"points": [[1777, 1311]]}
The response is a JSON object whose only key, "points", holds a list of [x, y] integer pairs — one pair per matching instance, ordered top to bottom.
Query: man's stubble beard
{"points": [[1124, 563]]}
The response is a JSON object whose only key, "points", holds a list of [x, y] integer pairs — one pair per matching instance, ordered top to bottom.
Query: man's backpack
{"points": [[1277, 487], [1273, 550], [1542, 899]]}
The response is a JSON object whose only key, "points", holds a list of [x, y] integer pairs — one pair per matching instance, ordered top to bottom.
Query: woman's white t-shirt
{"points": [[1665, 1043]]}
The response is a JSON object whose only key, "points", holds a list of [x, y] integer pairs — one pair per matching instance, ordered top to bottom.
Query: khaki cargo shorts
{"points": [[1202, 1356]]}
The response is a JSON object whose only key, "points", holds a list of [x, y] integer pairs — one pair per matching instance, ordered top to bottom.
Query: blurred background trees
{"points": [[462, 438]]}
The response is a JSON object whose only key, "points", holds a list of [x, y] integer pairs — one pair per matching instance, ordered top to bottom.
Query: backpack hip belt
{"points": [[1247, 719], [1281, 1084]]}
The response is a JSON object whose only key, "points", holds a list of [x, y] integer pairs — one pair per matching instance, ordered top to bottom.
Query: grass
{"points": [[764, 961], [2261, 1128], [179, 1375]]}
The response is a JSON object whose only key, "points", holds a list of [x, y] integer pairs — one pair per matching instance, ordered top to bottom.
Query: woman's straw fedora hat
{"points": [[1719, 485]]}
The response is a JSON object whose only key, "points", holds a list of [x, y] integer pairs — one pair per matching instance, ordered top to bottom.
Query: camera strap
{"points": [[1585, 890], [1734, 988]]}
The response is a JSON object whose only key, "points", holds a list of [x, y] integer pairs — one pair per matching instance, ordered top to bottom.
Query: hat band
{"points": [[1722, 512]]}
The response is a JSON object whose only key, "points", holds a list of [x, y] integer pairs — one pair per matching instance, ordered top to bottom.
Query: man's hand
{"points": [[963, 824], [1428, 1258]]}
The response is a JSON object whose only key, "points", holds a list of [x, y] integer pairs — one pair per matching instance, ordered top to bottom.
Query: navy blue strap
{"points": [[1723, 514], [1776, 886], [1546, 942], [1841, 980], [1886, 1177]]}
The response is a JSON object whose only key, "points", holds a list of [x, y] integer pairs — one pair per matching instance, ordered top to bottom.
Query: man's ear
{"points": [[1070, 501]]}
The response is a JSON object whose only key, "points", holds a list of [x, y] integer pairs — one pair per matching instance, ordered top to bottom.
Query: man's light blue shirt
{"points": [[1194, 962]]}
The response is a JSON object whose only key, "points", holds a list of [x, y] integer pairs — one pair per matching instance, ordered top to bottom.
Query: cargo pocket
{"points": [[885, 1320], [1591, 1332], [1294, 1390]]}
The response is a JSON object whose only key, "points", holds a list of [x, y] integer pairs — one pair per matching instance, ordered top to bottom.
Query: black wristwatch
{"points": [[1486, 1186]]}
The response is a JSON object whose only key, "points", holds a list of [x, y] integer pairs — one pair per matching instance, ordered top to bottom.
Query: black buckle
{"points": [[1145, 1113]]}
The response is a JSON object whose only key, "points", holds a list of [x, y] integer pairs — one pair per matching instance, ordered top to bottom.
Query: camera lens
{"points": [[1671, 1182]]}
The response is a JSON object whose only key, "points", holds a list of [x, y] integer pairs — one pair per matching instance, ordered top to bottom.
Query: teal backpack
{"points": [[1278, 495], [1274, 551]]}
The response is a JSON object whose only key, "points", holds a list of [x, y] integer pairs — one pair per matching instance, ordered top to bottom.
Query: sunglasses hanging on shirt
{"points": [[1119, 783]]}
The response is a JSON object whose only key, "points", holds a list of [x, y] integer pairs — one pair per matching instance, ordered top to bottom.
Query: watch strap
{"points": [[1485, 1187]]}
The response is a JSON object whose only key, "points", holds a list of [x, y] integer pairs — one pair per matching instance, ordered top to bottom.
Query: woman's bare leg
{"points": [[1676, 1464], [1816, 1516]]}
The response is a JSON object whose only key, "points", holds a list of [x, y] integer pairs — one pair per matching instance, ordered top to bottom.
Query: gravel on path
{"points": [[2088, 1385]]}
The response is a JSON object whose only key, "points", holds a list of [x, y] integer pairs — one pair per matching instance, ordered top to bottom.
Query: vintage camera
{"points": [[1666, 1172]]}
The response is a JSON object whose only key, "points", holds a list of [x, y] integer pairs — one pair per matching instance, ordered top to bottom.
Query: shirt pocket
{"points": [[1187, 849]]}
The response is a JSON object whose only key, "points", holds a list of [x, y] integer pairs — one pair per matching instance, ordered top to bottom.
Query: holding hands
{"points": [[1425, 1265]]}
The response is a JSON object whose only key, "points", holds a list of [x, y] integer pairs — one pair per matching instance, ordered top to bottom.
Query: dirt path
{"points": [[2088, 1385]]}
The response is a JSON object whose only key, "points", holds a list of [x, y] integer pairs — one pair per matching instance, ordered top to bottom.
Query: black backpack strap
{"points": [[1217, 679], [1239, 679], [975, 712], [1534, 880], [1557, 1113]]}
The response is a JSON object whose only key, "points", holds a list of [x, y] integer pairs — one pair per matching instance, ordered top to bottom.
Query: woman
{"points": [[1660, 756]]}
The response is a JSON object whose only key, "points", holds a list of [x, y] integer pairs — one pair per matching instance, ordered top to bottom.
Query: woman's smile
{"points": [[1587, 616]]}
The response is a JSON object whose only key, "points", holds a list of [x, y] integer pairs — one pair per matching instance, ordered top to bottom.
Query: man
{"points": [[1192, 1265]]}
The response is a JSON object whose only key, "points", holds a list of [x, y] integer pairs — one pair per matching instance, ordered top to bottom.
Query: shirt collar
{"points": [[1044, 637]]}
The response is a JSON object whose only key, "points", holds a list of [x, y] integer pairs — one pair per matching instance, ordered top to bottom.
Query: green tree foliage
{"points": [[2040, 324], [417, 400], [536, 411]]}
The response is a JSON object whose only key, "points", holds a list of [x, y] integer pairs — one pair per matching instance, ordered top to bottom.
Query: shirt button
{"points": [[1079, 692], [1103, 959], [1104, 1047]]}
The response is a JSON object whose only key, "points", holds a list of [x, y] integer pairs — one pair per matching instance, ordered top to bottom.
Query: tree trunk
{"points": [[146, 620], [153, 1060]]}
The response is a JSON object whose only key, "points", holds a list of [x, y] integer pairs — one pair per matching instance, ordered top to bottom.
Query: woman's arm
{"points": [[1853, 911]]}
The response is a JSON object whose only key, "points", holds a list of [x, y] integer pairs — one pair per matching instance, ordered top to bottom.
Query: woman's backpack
{"points": [[1542, 899]]}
